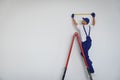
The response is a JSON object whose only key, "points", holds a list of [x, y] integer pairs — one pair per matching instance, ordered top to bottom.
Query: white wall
{"points": [[35, 37]]}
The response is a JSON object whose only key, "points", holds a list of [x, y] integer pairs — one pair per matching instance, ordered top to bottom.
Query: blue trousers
{"points": [[86, 46]]}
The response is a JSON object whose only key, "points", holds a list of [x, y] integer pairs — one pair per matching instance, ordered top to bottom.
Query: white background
{"points": [[35, 37]]}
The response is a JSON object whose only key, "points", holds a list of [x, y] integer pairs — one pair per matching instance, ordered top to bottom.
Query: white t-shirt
{"points": [[82, 32]]}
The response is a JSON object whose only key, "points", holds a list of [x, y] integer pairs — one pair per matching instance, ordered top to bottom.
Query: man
{"points": [[84, 31]]}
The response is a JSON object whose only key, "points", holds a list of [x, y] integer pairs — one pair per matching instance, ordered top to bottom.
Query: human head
{"points": [[85, 21]]}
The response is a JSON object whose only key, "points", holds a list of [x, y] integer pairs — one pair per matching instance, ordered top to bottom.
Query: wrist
{"points": [[72, 17]]}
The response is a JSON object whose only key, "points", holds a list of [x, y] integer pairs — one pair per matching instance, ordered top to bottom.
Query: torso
{"points": [[82, 32]]}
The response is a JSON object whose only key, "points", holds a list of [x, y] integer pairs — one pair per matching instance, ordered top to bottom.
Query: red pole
{"points": [[70, 50], [68, 56]]}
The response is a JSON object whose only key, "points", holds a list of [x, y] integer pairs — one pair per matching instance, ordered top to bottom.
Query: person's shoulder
{"points": [[91, 26]]}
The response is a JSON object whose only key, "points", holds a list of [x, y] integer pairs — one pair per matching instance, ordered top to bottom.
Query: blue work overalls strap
{"points": [[86, 31], [86, 46]]}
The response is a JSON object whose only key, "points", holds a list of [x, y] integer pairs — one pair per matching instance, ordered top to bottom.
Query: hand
{"points": [[93, 14], [72, 16]]}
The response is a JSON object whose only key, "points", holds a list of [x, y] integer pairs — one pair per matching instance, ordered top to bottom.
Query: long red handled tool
{"points": [[80, 45]]}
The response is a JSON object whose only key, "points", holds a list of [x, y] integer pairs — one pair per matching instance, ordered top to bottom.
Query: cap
{"points": [[86, 19]]}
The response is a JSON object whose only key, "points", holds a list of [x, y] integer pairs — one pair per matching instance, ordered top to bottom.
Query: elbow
{"points": [[75, 24], [93, 24]]}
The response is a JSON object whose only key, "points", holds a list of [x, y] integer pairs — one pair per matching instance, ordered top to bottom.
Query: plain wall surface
{"points": [[35, 37]]}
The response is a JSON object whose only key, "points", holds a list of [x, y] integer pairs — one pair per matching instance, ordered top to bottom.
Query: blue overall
{"points": [[86, 46]]}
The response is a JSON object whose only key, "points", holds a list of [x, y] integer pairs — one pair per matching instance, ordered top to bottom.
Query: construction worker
{"points": [[84, 32]]}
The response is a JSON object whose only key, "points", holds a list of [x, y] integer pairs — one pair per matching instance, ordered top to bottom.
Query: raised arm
{"points": [[93, 18], [73, 20]]}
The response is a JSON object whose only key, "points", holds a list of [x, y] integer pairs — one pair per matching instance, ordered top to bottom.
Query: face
{"points": [[84, 22]]}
